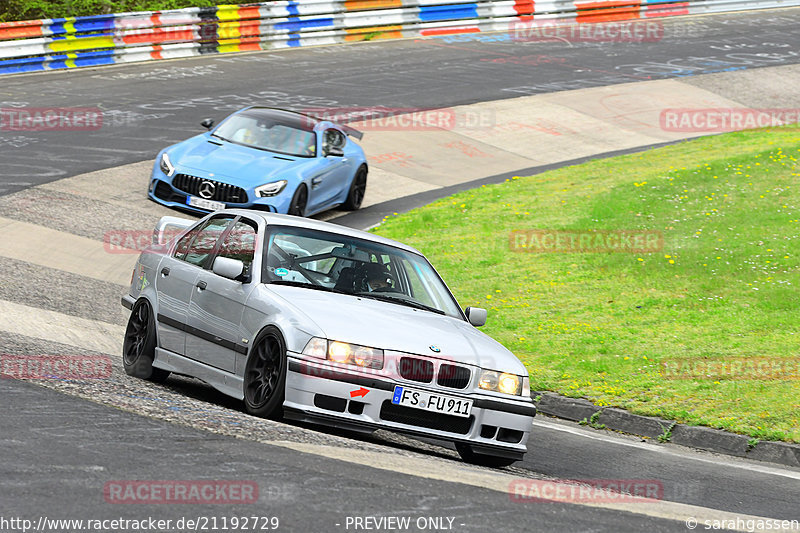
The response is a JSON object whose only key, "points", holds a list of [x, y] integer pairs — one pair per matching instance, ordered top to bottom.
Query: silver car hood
{"points": [[398, 328]]}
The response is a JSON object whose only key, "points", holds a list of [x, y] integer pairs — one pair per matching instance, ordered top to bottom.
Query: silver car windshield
{"points": [[269, 131], [325, 261]]}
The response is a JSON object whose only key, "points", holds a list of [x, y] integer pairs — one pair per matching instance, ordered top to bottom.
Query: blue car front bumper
{"points": [[161, 190]]}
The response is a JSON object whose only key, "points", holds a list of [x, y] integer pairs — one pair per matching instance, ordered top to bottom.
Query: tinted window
{"points": [[285, 134], [333, 139], [203, 243], [183, 244], [240, 244], [338, 263]]}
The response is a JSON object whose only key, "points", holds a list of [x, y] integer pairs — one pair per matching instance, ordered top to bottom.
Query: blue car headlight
{"points": [[166, 165], [271, 189]]}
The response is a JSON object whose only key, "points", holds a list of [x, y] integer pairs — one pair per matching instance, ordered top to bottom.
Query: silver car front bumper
{"points": [[317, 392]]}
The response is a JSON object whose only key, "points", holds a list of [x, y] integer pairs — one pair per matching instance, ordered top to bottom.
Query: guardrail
{"points": [[35, 45]]}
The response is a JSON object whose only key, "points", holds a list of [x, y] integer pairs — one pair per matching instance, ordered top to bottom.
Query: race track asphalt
{"points": [[61, 442]]}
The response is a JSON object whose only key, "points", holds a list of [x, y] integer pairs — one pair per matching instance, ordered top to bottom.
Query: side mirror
{"points": [[207, 123], [334, 151], [227, 267], [476, 316]]}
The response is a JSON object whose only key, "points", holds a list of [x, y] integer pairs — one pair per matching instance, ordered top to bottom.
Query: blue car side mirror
{"points": [[334, 151]]}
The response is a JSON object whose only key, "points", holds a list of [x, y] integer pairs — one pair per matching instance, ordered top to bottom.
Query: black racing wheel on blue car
{"points": [[358, 189]]}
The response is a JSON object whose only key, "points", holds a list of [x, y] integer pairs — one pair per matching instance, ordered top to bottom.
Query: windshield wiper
{"points": [[221, 137], [309, 286], [401, 301]]}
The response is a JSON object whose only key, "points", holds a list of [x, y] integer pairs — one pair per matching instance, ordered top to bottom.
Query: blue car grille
{"points": [[223, 192]]}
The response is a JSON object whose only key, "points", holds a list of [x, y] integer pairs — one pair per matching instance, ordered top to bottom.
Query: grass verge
{"points": [[723, 290]]}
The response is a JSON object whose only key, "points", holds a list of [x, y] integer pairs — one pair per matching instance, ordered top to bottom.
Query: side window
{"points": [[333, 139], [203, 243], [183, 244], [240, 244]]}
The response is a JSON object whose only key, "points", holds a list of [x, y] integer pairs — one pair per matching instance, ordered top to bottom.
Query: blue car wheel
{"points": [[357, 190], [299, 201]]}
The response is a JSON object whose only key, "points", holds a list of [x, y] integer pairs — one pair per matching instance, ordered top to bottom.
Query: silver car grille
{"points": [[423, 371]]}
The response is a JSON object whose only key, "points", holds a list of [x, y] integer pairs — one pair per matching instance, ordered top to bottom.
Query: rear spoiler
{"points": [[352, 132]]}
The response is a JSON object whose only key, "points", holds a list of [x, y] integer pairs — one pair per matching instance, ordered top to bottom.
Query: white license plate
{"points": [[202, 203], [431, 401]]}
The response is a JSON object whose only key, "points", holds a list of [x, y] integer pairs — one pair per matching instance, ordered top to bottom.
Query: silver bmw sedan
{"points": [[312, 321]]}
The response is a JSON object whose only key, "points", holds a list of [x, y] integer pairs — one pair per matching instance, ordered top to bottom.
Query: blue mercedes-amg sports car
{"points": [[263, 158]]}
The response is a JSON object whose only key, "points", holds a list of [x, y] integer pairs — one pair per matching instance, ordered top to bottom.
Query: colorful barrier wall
{"points": [[35, 45]]}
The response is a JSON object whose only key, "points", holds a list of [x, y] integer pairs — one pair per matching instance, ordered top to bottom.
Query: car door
{"points": [[334, 173], [176, 278], [215, 335]]}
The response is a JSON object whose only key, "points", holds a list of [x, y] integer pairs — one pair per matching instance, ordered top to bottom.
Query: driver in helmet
{"points": [[377, 277]]}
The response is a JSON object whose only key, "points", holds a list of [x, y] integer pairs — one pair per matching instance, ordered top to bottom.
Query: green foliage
{"points": [[11, 10], [603, 325], [592, 422], [666, 436]]}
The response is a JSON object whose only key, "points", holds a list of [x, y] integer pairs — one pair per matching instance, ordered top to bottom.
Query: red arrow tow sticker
{"points": [[360, 392]]}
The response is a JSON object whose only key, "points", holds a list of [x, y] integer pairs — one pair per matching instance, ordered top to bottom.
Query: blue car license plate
{"points": [[202, 203]]}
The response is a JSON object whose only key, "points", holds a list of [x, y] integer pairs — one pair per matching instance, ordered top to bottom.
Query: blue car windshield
{"points": [[268, 131], [336, 263]]}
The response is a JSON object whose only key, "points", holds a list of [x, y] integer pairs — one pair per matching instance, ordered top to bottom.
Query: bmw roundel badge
{"points": [[434, 348]]}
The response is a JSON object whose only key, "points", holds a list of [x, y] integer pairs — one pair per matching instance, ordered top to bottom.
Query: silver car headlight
{"points": [[166, 165], [271, 189], [344, 352], [501, 382]]}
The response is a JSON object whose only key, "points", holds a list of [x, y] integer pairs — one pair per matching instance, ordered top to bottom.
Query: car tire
{"points": [[358, 188], [299, 202], [139, 346], [265, 375], [471, 457]]}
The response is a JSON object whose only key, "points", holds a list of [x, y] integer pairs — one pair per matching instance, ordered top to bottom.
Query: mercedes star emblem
{"points": [[207, 190]]}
